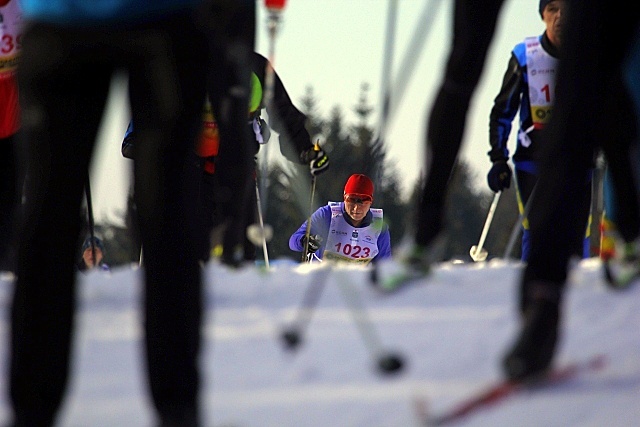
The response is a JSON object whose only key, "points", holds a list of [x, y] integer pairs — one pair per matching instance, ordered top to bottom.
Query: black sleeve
{"points": [[505, 107], [284, 117]]}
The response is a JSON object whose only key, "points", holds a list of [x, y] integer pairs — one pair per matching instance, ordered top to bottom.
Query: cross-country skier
{"points": [[473, 27], [597, 41], [70, 52], [528, 86], [216, 187], [350, 230]]}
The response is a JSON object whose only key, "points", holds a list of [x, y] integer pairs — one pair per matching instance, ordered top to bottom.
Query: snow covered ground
{"points": [[451, 331]]}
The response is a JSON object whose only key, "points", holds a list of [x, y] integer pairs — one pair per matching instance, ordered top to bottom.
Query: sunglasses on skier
{"points": [[358, 199]]}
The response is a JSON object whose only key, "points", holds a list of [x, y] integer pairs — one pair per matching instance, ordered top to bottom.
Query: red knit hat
{"points": [[360, 185]]}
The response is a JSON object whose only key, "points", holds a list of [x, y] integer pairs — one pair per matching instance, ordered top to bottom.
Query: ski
{"points": [[414, 265], [395, 280], [501, 390]]}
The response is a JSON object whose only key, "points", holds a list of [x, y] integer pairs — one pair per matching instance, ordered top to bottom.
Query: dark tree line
{"points": [[353, 148]]}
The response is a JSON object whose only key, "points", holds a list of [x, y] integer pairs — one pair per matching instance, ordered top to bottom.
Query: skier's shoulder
{"points": [[519, 51], [259, 65], [325, 211], [376, 212]]}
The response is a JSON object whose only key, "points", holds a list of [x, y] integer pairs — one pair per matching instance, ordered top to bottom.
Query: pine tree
{"points": [[388, 194]]}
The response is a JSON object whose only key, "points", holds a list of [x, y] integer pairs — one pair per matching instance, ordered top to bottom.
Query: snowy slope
{"points": [[451, 331]]}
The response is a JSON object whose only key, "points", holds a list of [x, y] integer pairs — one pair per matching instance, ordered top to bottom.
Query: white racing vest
{"points": [[10, 29], [541, 73], [348, 243]]}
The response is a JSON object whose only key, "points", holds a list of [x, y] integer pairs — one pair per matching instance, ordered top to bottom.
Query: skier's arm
{"points": [[505, 107], [284, 117], [320, 221], [384, 244]]}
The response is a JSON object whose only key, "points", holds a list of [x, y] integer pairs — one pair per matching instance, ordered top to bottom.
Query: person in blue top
{"points": [[528, 87], [593, 111], [217, 183], [350, 230]]}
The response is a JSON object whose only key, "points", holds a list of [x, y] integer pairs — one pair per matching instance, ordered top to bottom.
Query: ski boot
{"points": [[414, 265], [623, 270], [533, 351]]}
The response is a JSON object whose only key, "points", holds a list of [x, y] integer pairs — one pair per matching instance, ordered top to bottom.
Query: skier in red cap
{"points": [[350, 230]]}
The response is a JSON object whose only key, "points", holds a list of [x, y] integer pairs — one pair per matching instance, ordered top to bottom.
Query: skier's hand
{"points": [[264, 129], [317, 159], [499, 177], [314, 243]]}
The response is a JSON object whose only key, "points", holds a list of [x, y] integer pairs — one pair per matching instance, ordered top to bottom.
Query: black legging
{"points": [[473, 28], [232, 50], [64, 79], [10, 187]]}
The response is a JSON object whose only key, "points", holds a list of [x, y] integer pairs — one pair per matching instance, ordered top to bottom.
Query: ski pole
{"points": [[274, 8], [389, 47], [405, 71], [87, 193], [517, 225], [307, 233], [264, 237], [477, 252], [292, 335], [386, 362]]}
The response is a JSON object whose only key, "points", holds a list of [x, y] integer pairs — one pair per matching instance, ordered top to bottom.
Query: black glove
{"points": [[127, 147], [317, 159], [499, 176], [313, 245]]}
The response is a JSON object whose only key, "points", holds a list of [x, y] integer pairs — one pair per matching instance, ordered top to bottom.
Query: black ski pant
{"points": [[473, 28], [64, 79], [229, 84], [525, 185], [10, 195]]}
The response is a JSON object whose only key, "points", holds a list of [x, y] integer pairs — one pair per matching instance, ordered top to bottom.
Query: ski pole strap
{"points": [[87, 192]]}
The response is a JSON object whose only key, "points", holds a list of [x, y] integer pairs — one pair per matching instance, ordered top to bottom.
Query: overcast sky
{"points": [[334, 46]]}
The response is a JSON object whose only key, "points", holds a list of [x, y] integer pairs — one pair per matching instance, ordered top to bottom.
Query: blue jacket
{"points": [[513, 98], [320, 222]]}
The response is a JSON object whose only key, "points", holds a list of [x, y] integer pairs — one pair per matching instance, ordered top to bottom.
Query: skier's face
{"points": [[552, 15], [357, 206], [87, 256]]}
